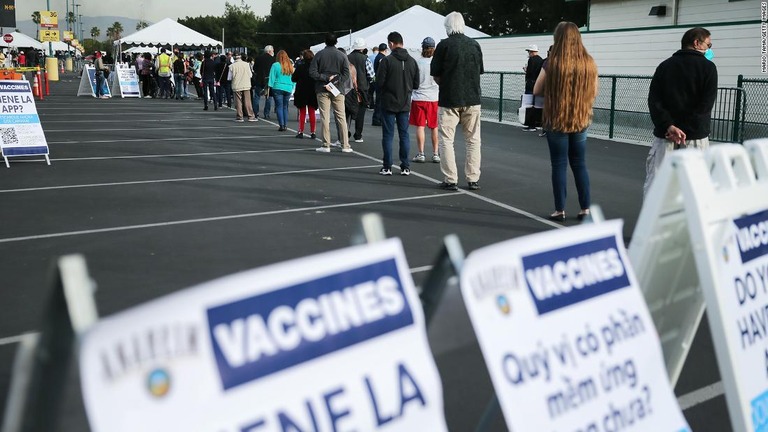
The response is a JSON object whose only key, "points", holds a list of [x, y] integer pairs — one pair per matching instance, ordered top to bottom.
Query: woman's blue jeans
{"points": [[282, 99], [569, 149]]}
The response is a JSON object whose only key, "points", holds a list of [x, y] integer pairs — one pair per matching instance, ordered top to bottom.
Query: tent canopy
{"points": [[414, 23], [169, 33], [20, 40], [61, 46]]}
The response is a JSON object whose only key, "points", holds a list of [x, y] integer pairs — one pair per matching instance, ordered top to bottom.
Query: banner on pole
{"points": [[7, 13], [49, 19], [49, 35], [566, 335], [331, 342]]}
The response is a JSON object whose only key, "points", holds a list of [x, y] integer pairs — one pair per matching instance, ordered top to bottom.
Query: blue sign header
{"points": [[566, 276], [270, 332]]}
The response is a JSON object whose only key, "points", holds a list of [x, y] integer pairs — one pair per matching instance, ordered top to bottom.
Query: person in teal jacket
{"points": [[282, 86]]}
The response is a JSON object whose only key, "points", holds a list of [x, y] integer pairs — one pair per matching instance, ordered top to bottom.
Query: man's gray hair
{"points": [[454, 23], [269, 49]]}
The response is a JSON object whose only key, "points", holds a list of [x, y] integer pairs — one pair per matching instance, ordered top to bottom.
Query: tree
{"points": [[502, 17], [36, 20], [70, 20], [240, 23], [141, 24], [115, 31], [95, 32]]}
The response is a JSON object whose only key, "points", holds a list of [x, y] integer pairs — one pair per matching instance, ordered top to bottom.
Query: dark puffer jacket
{"points": [[396, 77]]}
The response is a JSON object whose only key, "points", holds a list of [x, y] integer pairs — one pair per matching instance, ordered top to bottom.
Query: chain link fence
{"points": [[621, 107], [756, 107]]}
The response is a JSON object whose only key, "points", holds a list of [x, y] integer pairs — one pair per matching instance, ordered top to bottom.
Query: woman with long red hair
{"points": [[569, 85], [282, 86]]}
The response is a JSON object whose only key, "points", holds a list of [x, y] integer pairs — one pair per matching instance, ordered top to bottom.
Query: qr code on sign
{"points": [[8, 136]]}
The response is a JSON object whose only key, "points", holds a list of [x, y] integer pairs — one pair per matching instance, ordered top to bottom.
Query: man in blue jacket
{"points": [[397, 76], [682, 94]]}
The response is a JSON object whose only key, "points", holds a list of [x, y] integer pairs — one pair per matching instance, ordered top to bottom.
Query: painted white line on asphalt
{"points": [[43, 120], [143, 129], [147, 140], [172, 155], [183, 179], [481, 197], [215, 218], [421, 269], [14, 339], [700, 396]]}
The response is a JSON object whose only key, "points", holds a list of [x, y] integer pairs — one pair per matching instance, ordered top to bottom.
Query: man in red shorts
{"points": [[424, 103]]}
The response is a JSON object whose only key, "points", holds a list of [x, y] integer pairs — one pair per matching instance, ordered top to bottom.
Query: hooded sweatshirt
{"points": [[396, 77]]}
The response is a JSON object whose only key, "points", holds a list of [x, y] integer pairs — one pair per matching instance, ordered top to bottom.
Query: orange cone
{"points": [[62, 68], [35, 88]]}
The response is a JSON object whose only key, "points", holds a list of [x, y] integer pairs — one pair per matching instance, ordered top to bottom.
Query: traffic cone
{"points": [[61, 69], [35, 87]]}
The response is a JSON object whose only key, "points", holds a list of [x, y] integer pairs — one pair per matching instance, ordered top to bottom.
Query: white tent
{"points": [[414, 23], [169, 33], [20, 40], [62, 46], [141, 50]]}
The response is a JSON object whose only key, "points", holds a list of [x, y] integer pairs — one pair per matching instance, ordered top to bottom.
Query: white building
{"points": [[625, 40]]}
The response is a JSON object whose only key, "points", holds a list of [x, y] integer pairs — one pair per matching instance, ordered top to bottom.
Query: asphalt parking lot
{"points": [[159, 195]]}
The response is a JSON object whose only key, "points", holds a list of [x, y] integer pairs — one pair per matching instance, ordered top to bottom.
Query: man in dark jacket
{"points": [[261, 66], [456, 67], [330, 70], [532, 70], [208, 72], [365, 75], [397, 76], [682, 94], [376, 121]]}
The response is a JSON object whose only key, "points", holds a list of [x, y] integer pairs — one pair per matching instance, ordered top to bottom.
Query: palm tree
{"points": [[70, 19], [36, 20], [141, 24], [115, 31], [95, 32]]}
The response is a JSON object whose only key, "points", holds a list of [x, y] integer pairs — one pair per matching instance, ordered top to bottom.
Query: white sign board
{"points": [[128, 81], [88, 83], [20, 131], [743, 300], [566, 335], [331, 342]]}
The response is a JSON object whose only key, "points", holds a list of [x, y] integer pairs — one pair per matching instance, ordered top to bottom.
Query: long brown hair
{"points": [[285, 62], [571, 82]]}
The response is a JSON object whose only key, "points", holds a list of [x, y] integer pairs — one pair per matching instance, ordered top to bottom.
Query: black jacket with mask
{"points": [[396, 77]]}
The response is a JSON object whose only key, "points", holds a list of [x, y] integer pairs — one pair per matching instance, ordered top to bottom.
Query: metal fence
{"points": [[756, 102], [621, 107]]}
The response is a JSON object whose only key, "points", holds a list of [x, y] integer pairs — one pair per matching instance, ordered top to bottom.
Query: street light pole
{"points": [[50, 44]]}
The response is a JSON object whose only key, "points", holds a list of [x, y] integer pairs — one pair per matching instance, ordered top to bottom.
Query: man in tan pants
{"points": [[456, 67], [241, 87]]}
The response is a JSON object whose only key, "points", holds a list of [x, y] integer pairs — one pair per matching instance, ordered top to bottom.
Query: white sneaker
{"points": [[359, 140], [336, 143], [323, 150], [347, 150], [419, 157], [436, 158]]}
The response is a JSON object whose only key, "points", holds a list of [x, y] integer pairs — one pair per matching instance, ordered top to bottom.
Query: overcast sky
{"points": [[148, 10]]}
